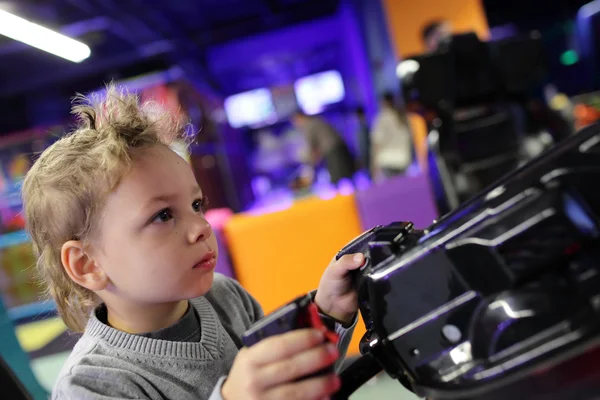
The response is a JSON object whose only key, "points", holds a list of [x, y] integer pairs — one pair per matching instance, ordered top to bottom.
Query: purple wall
{"points": [[292, 40], [380, 51], [267, 52], [282, 56]]}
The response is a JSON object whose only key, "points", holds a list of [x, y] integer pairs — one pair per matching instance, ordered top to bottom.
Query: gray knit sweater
{"points": [[111, 364]]}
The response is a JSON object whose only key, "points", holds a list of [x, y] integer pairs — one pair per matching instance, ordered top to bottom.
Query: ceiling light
{"points": [[42, 38]]}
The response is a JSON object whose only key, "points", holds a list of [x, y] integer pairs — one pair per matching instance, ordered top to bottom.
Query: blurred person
{"points": [[436, 34], [391, 142], [325, 145], [269, 156], [116, 219]]}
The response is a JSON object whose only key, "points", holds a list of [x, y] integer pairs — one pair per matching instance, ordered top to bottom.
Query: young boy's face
{"points": [[155, 244]]}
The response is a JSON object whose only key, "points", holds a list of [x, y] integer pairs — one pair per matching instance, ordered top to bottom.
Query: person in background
{"points": [[436, 34], [391, 143], [325, 145], [364, 145], [116, 219]]}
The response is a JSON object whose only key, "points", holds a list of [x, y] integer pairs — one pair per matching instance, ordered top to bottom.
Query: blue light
{"points": [[579, 217]]}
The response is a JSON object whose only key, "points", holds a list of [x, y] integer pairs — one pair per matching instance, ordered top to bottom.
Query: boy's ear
{"points": [[82, 269]]}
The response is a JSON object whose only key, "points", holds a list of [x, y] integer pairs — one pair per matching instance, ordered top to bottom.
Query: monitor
{"points": [[317, 91], [253, 108]]}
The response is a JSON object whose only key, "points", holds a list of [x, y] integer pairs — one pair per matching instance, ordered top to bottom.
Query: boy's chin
{"points": [[199, 287]]}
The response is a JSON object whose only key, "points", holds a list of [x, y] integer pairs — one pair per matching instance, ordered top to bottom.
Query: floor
{"points": [[48, 352], [383, 388]]}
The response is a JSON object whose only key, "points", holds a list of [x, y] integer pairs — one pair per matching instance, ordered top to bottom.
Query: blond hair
{"points": [[65, 189]]}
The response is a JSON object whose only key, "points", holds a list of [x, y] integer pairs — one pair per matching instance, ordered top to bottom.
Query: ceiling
{"points": [[132, 37]]}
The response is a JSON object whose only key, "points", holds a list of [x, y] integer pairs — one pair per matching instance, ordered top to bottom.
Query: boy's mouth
{"points": [[209, 261]]}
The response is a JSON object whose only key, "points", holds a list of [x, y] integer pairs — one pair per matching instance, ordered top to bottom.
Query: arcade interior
{"points": [[503, 82]]}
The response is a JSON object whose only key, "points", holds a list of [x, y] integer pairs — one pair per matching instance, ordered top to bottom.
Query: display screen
{"points": [[315, 92], [254, 108]]}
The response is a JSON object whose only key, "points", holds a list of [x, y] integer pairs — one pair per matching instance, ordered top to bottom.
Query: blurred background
{"points": [[312, 120]]}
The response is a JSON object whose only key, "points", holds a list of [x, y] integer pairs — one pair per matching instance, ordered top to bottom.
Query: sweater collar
{"points": [[210, 346]]}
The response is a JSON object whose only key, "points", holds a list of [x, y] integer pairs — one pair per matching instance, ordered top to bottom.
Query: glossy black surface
{"points": [[506, 285]]}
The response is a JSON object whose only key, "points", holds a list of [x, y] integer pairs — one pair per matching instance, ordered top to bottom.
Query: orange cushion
{"points": [[282, 255]]}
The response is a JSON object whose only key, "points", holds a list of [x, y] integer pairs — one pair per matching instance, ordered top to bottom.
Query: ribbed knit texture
{"points": [[207, 349]]}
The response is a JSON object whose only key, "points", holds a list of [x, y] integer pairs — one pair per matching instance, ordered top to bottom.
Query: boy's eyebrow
{"points": [[196, 190], [167, 197], [157, 199]]}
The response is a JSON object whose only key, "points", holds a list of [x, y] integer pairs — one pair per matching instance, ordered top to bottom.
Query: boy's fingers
{"points": [[351, 261], [284, 346], [299, 366], [313, 388]]}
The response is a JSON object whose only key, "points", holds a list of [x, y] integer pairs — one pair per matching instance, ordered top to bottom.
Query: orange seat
{"points": [[282, 255]]}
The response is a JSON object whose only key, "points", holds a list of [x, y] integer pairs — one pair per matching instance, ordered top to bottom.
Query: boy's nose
{"points": [[199, 230]]}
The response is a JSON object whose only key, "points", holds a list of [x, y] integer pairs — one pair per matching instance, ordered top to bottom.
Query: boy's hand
{"points": [[335, 296], [271, 369]]}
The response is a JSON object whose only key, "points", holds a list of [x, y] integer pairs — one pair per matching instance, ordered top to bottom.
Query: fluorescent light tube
{"points": [[42, 38]]}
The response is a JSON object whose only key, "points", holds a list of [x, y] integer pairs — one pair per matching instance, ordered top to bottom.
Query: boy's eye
{"points": [[199, 205], [163, 216]]}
